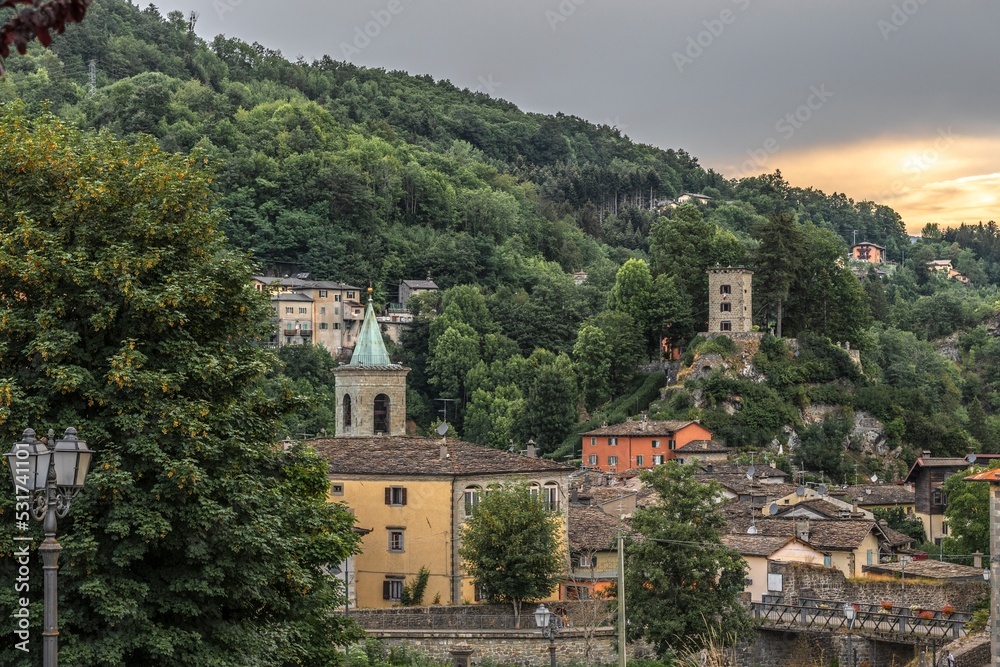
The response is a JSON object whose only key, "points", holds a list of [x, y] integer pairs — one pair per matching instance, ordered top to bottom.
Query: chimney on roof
{"points": [[530, 451], [444, 452], [927, 453], [709, 469], [574, 496], [802, 529]]}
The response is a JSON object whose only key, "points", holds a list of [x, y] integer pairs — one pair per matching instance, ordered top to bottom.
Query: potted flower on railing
{"points": [[886, 607], [916, 609], [947, 610], [927, 615]]}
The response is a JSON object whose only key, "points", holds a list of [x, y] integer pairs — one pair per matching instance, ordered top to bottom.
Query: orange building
{"points": [[868, 252], [638, 444]]}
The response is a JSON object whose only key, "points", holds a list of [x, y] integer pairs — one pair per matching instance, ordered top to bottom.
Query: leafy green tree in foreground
{"points": [[123, 312], [968, 513], [511, 547], [681, 583]]}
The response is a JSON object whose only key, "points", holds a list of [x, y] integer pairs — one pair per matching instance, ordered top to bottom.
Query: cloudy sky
{"points": [[892, 100]]}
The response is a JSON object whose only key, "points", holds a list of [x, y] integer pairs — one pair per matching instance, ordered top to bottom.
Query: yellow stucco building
{"points": [[414, 494], [411, 495]]}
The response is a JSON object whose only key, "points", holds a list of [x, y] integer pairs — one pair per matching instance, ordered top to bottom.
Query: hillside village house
{"points": [[868, 252], [410, 288], [313, 312], [638, 444], [927, 476], [413, 494], [760, 550], [593, 552]]}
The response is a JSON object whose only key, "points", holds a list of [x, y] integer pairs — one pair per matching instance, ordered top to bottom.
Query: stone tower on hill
{"points": [[730, 300], [370, 390]]}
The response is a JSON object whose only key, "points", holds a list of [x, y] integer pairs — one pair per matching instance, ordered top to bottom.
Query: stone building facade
{"points": [[730, 300]]}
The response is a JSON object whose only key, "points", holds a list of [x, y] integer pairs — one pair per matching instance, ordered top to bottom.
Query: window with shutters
{"points": [[725, 289], [322, 294], [725, 307], [289, 310], [725, 326], [612, 441], [593, 442], [656, 444], [672, 444], [657, 459], [592, 460], [612, 460], [639, 460], [395, 495], [396, 540], [392, 588]]}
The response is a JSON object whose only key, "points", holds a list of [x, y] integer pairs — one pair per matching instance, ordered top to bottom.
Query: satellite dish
{"points": [[442, 428], [971, 458], [751, 471], [874, 478], [822, 489], [801, 491], [868, 491], [773, 509], [752, 530]]}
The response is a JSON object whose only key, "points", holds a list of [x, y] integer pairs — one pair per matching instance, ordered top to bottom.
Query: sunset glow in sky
{"points": [[907, 113]]}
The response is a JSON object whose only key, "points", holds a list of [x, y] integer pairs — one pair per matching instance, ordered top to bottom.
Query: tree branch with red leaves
{"points": [[37, 21]]}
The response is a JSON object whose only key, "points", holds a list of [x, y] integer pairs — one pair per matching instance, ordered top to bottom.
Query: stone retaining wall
{"points": [[801, 580]]}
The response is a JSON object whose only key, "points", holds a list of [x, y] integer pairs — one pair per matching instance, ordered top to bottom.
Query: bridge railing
{"points": [[829, 616]]}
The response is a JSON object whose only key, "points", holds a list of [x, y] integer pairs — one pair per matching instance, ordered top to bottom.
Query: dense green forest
{"points": [[362, 175]]}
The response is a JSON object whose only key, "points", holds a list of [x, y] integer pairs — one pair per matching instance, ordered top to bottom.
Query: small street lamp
{"points": [[49, 473], [849, 613], [550, 624]]}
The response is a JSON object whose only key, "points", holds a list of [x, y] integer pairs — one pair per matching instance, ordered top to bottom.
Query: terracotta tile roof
{"points": [[641, 428], [703, 447], [409, 456], [761, 470], [986, 476], [875, 494], [819, 506], [591, 529], [824, 534], [895, 538], [756, 545]]}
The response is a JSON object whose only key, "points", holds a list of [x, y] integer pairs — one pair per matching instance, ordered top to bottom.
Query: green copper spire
{"points": [[370, 350]]}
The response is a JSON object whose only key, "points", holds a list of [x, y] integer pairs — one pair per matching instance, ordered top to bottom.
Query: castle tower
{"points": [[730, 300], [370, 390]]}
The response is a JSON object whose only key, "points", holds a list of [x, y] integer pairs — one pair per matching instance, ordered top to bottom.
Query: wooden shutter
{"points": [[402, 496], [388, 499], [385, 589]]}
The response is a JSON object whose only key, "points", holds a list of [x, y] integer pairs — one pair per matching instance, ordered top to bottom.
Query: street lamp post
{"points": [[49, 473], [849, 614], [550, 624]]}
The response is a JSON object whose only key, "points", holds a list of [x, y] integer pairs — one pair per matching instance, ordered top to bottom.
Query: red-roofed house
{"points": [[639, 444]]}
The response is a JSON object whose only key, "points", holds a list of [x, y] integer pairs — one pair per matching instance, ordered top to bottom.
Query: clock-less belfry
{"points": [[370, 390]]}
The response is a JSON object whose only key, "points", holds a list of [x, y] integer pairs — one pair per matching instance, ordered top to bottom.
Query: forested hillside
{"points": [[366, 176]]}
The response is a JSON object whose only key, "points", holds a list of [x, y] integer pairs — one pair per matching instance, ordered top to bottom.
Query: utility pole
{"points": [[92, 76], [621, 600]]}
